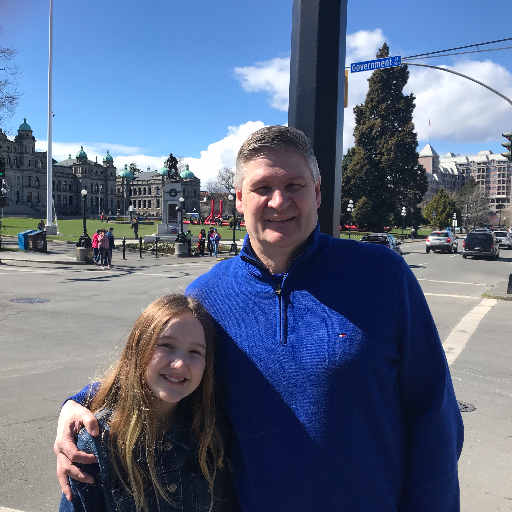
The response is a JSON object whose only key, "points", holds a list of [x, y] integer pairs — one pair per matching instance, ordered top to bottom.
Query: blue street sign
{"points": [[371, 65]]}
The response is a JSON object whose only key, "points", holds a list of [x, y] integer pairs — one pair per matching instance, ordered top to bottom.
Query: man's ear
{"points": [[318, 194], [239, 206]]}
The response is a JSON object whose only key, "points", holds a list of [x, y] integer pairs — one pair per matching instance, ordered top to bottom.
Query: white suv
{"points": [[444, 241]]}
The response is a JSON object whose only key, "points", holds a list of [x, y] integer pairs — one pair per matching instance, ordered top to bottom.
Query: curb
{"points": [[498, 292]]}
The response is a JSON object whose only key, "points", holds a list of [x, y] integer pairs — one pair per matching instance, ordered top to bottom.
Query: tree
{"points": [[9, 93], [134, 169], [382, 170], [223, 183], [473, 204], [444, 207]]}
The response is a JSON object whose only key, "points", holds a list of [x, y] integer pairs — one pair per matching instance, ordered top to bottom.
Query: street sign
{"points": [[371, 65]]}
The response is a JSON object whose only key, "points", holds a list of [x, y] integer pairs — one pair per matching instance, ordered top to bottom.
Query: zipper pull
{"points": [[278, 290]]}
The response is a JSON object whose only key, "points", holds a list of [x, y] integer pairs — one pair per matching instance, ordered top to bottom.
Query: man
{"points": [[135, 227], [111, 242], [339, 402]]}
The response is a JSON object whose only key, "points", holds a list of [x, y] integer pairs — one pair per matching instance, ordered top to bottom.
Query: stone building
{"points": [[492, 173], [26, 179], [144, 191]]}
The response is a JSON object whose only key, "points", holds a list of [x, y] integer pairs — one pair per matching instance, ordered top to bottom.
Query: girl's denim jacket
{"points": [[177, 468]]}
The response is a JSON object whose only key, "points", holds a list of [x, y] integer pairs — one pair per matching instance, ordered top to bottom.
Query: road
{"points": [[50, 349]]}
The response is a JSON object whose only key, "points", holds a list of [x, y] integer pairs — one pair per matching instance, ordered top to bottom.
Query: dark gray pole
{"points": [[317, 81]]}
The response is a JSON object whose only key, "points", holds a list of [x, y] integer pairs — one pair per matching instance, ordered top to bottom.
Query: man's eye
{"points": [[294, 186], [263, 189]]}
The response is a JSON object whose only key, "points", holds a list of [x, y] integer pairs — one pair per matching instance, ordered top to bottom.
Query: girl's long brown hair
{"points": [[133, 426]]}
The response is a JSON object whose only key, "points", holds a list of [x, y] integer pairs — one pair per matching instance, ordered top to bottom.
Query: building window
{"points": [[7, 159], [15, 160], [29, 178], [18, 181], [37, 182], [58, 185], [112, 190], [139, 191], [144, 191], [149, 191], [157, 191], [37, 198], [59, 200], [65, 200], [92, 200], [70, 202], [111, 202], [144, 203], [149, 203], [158, 203], [140, 204]]}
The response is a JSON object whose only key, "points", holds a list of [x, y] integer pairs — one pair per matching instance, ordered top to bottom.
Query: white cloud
{"points": [[272, 76], [460, 110], [222, 153]]}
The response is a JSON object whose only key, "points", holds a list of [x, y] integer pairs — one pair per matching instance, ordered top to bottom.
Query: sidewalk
{"points": [[63, 253]]}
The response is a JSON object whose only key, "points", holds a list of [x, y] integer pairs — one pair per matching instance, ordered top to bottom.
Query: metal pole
{"points": [[317, 90], [49, 175], [85, 205], [140, 247], [156, 247], [124, 248]]}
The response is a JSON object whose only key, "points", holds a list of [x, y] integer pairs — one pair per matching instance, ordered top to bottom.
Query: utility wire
{"points": [[459, 48], [458, 53]]}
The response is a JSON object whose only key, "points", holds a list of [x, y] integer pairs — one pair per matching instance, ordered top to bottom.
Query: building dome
{"points": [[25, 126], [81, 153], [108, 157], [163, 171], [126, 173], [187, 173]]}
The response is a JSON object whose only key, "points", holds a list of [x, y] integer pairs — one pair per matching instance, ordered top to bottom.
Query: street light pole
{"points": [[100, 190], [231, 197], [350, 209], [404, 213], [181, 238], [84, 240]]}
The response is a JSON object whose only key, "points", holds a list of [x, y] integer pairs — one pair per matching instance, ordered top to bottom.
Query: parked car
{"points": [[382, 239], [504, 239], [444, 241], [481, 244]]}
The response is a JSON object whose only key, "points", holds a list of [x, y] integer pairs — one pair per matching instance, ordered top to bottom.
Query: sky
{"points": [[195, 78]]}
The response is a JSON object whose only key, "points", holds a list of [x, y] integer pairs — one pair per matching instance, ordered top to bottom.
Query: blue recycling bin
{"points": [[23, 238]]}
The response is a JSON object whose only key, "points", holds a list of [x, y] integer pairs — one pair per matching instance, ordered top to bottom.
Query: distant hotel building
{"points": [[492, 173]]}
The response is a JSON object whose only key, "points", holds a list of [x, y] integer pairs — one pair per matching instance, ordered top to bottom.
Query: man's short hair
{"points": [[275, 138], [111, 229]]}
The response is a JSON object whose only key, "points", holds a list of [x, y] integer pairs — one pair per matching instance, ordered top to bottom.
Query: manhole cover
{"points": [[30, 301], [465, 407]]}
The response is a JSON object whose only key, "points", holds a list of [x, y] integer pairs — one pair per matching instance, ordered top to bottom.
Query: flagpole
{"points": [[49, 173]]}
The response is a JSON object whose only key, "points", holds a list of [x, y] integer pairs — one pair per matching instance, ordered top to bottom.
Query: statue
{"points": [[172, 168]]}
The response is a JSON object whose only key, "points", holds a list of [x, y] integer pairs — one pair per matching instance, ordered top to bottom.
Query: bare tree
{"points": [[9, 93], [223, 183], [473, 204]]}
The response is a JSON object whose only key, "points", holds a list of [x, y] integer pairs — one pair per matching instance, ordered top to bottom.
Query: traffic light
{"points": [[508, 145], [2, 169]]}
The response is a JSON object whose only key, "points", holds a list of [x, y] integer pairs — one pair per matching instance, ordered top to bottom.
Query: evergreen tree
{"points": [[134, 169], [382, 171], [444, 207]]}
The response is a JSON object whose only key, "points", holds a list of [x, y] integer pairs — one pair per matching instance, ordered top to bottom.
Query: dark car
{"points": [[382, 239], [481, 244]]}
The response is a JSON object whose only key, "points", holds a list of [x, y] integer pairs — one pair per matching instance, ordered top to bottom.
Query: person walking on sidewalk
{"points": [[215, 238], [111, 242], [201, 243], [95, 247], [104, 249]]}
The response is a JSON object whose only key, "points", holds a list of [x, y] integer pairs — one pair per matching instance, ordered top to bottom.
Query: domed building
{"points": [[26, 178], [144, 191]]}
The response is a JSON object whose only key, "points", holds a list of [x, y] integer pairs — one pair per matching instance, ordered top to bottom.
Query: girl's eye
{"points": [[166, 345], [196, 352]]}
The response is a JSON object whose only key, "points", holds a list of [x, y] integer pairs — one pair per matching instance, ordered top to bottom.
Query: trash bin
{"points": [[23, 239], [37, 241]]}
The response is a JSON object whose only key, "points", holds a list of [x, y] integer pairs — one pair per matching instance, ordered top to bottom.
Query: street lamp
{"points": [[100, 190], [231, 197], [350, 209], [404, 213], [454, 224], [181, 238], [84, 240]]}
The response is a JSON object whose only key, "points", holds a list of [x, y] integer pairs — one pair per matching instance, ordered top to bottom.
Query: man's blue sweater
{"points": [[335, 381]]}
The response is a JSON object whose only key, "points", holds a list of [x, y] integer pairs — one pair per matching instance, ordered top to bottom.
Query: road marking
{"points": [[452, 282], [451, 295], [460, 335], [3, 509]]}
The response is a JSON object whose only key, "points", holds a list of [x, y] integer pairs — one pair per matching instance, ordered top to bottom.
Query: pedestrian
{"points": [[101, 217], [238, 225], [135, 227], [413, 233], [215, 239], [202, 240], [189, 241], [111, 243], [103, 244], [210, 245], [95, 247], [156, 408], [332, 411]]}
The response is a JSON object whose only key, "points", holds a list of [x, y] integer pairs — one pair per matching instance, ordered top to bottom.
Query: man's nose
{"points": [[279, 199]]}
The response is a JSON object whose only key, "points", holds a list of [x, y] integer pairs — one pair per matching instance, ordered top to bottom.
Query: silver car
{"points": [[504, 239], [444, 241]]}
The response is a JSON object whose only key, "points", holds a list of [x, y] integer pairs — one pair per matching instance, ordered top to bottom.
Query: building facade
{"points": [[491, 172], [26, 179]]}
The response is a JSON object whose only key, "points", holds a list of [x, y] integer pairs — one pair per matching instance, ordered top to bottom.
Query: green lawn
{"points": [[72, 229]]}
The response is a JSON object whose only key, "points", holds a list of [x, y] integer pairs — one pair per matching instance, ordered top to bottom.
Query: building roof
{"points": [[24, 125], [428, 150], [81, 153], [108, 157], [163, 171], [125, 173], [187, 173], [145, 176]]}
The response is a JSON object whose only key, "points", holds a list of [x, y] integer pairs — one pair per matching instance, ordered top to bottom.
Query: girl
{"points": [[104, 248], [159, 448]]}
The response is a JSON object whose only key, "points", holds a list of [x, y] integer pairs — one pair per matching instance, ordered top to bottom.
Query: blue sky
{"points": [[195, 78]]}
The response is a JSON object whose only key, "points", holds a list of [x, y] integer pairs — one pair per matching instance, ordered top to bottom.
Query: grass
{"points": [[71, 229]]}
